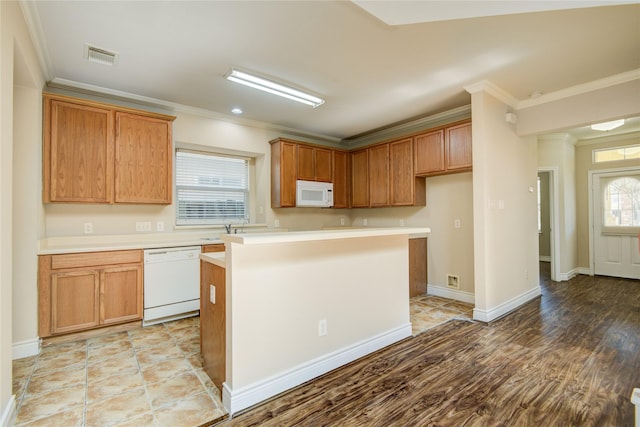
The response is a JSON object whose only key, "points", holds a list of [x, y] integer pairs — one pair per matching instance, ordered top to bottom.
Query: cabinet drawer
{"points": [[88, 259]]}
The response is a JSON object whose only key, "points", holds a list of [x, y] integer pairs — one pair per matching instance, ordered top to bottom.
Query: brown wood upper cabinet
{"points": [[443, 151], [100, 153], [292, 160], [314, 164], [283, 173], [379, 175], [382, 175], [360, 178], [340, 179], [405, 188]]}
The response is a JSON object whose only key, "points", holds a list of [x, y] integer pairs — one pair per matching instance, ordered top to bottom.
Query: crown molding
{"points": [[32, 19], [581, 89], [493, 90], [173, 107], [412, 126]]}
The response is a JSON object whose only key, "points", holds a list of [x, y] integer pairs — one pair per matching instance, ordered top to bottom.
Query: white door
{"points": [[616, 224]]}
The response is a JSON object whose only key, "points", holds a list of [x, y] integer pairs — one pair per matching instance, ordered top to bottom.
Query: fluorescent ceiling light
{"points": [[274, 88], [608, 125]]}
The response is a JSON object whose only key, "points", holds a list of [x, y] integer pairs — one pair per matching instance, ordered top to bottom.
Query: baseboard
{"points": [[544, 258], [586, 271], [569, 275], [456, 294], [506, 307], [26, 348], [245, 397], [9, 412]]}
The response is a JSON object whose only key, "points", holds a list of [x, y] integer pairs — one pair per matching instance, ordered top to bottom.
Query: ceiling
{"points": [[371, 74]]}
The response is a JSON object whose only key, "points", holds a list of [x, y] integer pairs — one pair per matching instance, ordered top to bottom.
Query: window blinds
{"points": [[211, 189]]}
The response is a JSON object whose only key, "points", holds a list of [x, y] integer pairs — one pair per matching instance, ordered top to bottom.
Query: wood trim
{"points": [[98, 104], [217, 247], [92, 259], [44, 295]]}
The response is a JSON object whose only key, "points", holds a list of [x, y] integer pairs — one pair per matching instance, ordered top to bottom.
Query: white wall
{"points": [[20, 123], [505, 210]]}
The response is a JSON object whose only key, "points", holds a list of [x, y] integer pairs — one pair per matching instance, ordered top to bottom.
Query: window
{"points": [[616, 154], [211, 189], [622, 203]]}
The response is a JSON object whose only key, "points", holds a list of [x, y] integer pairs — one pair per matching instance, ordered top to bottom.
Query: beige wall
{"points": [[20, 132], [584, 165], [505, 210], [450, 250], [366, 297]]}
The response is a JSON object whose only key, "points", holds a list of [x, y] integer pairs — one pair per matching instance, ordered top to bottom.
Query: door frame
{"points": [[592, 174], [554, 220]]}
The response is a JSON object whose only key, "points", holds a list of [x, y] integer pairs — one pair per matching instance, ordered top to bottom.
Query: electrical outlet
{"points": [[341, 221], [365, 222], [277, 223], [402, 223], [456, 223], [139, 226], [146, 226], [160, 226], [88, 227], [212, 294], [322, 327]]}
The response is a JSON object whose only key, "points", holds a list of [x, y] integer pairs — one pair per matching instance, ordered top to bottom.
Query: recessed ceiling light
{"points": [[274, 88], [236, 110], [608, 125]]}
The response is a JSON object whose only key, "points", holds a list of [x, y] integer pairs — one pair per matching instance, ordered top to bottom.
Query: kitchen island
{"points": [[297, 305]]}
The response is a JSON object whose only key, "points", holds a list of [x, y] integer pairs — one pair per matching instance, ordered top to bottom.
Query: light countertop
{"points": [[305, 236], [77, 244], [217, 258]]}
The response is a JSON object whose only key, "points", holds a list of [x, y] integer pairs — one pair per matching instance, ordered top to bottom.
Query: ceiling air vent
{"points": [[101, 56]]}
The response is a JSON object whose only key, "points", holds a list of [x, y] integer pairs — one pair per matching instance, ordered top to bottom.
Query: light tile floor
{"points": [[428, 311], [150, 376]]}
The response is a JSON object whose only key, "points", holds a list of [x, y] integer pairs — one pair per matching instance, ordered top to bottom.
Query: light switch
{"points": [[212, 294]]}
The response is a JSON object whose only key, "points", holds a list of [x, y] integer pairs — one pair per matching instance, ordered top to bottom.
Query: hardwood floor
{"points": [[568, 358]]}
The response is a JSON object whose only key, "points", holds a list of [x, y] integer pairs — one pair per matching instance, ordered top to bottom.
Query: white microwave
{"points": [[314, 194]]}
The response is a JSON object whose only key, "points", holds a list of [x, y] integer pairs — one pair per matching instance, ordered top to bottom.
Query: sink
{"points": [[211, 239]]}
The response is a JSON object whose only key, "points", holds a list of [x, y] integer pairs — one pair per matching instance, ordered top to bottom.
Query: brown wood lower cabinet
{"points": [[417, 267], [82, 291], [213, 321]]}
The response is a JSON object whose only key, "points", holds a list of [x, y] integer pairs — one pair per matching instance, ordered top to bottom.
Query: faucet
{"points": [[228, 228]]}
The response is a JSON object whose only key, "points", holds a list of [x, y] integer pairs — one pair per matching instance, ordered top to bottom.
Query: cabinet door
{"points": [[459, 147], [78, 153], [429, 153], [143, 160], [306, 163], [314, 164], [323, 165], [283, 174], [379, 175], [401, 176], [340, 179], [360, 179], [216, 247], [417, 267], [120, 294], [74, 301], [213, 321]]}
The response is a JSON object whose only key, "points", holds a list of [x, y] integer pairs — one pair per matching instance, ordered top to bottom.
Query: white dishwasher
{"points": [[171, 284]]}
